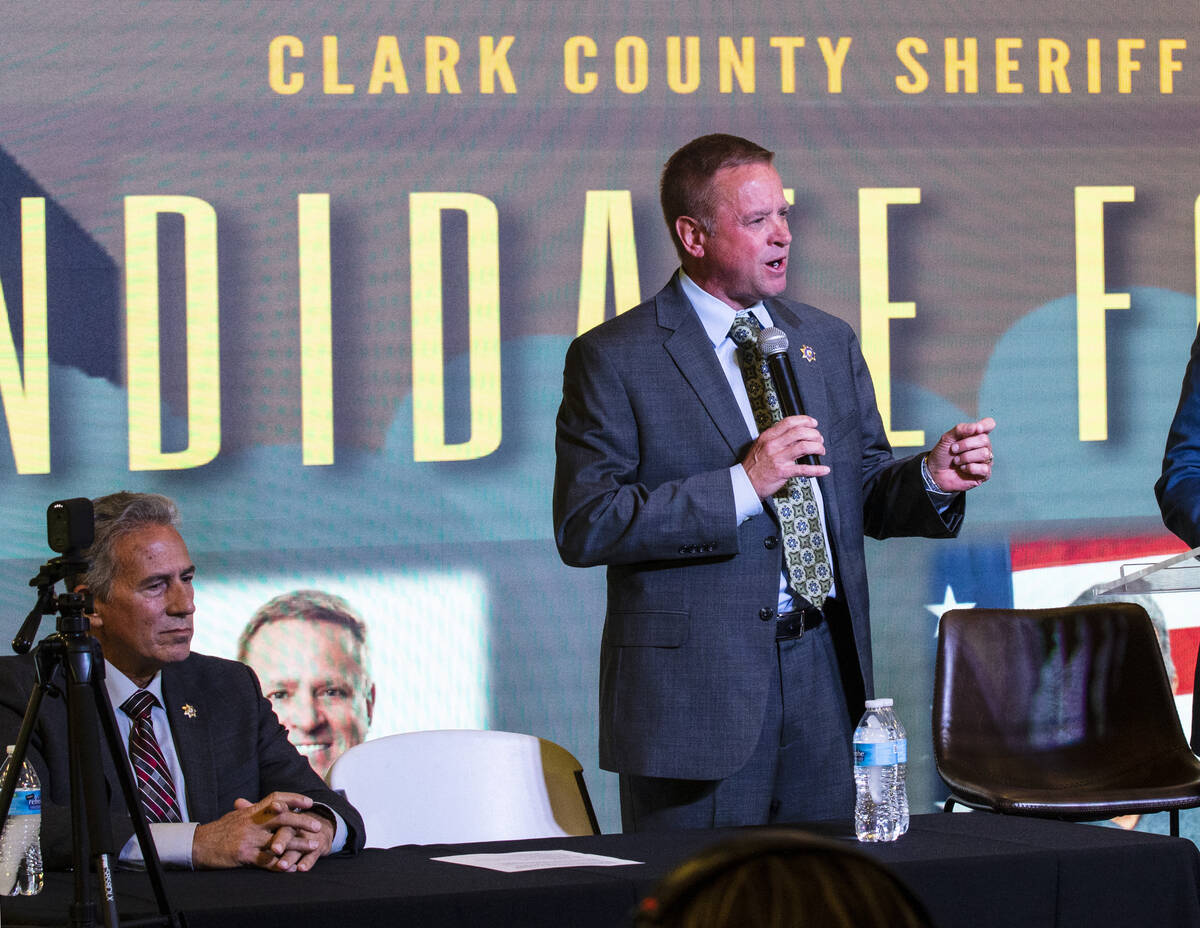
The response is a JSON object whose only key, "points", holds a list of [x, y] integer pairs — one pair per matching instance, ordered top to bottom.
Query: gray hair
{"points": [[116, 515]]}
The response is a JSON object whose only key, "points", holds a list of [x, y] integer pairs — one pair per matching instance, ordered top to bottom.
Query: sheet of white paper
{"points": [[517, 861]]}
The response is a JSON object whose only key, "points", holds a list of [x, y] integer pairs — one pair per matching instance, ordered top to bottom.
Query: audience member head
{"points": [[309, 649], [781, 879]]}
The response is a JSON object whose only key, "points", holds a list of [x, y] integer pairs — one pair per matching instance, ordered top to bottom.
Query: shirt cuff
{"points": [[940, 498], [746, 503], [340, 831], [172, 840]]}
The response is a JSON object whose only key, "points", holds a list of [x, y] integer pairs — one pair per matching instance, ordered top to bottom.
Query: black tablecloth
{"points": [[974, 870]]}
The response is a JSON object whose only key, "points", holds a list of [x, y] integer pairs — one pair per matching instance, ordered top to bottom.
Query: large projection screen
{"points": [[311, 269]]}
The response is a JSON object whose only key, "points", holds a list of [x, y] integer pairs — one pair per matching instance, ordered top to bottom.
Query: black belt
{"points": [[795, 623]]}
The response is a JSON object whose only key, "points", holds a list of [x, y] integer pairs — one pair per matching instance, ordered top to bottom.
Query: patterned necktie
{"points": [[805, 556], [149, 766]]}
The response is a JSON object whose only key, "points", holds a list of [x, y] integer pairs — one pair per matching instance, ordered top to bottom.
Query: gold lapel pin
{"points": [[807, 353], [189, 710]]}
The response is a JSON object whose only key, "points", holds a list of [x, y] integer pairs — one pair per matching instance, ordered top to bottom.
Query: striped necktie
{"points": [[149, 765]]}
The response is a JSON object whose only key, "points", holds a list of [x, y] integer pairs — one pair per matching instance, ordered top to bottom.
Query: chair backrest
{"points": [[1024, 693], [456, 786]]}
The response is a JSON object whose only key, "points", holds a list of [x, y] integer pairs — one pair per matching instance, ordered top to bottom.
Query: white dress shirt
{"points": [[173, 840]]}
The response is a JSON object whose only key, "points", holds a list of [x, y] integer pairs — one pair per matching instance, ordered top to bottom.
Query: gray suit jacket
{"points": [[647, 432], [230, 745]]}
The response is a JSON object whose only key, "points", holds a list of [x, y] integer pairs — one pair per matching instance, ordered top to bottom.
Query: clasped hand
{"points": [[275, 833]]}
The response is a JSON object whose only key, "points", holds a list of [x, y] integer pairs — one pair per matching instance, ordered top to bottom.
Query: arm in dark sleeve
{"points": [[1178, 489], [606, 511]]}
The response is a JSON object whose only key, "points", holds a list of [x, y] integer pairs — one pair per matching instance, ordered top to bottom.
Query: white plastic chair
{"points": [[459, 786]]}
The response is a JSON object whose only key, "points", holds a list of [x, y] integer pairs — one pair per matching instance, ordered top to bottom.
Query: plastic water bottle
{"points": [[880, 766], [900, 788], [20, 842]]}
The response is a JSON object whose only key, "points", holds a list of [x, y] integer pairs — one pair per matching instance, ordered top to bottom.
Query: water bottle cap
{"points": [[878, 703]]}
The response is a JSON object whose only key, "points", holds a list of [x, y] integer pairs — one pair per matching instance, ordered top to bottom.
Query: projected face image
{"points": [[313, 673]]}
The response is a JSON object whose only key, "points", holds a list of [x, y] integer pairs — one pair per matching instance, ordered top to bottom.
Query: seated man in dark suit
{"points": [[221, 784]]}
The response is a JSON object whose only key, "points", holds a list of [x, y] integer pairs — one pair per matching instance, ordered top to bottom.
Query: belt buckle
{"points": [[790, 625], [793, 625]]}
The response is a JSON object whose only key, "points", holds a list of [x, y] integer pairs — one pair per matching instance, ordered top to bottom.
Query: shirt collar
{"points": [[716, 315], [120, 687]]}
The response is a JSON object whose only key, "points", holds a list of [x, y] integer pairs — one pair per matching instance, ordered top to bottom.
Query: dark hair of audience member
{"points": [[781, 879]]}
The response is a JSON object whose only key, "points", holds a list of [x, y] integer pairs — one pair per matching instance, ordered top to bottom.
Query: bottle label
{"points": [[880, 753], [26, 802]]}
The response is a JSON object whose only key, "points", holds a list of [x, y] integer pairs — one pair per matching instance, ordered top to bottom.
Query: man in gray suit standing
{"points": [[736, 650], [223, 787]]}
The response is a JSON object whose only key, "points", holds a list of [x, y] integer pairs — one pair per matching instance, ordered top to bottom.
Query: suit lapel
{"points": [[693, 354], [810, 380], [190, 727]]}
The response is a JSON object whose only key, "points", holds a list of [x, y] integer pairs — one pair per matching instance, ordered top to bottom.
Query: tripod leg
{"points": [[89, 713], [9, 784], [133, 799], [91, 830], [108, 894], [82, 910]]}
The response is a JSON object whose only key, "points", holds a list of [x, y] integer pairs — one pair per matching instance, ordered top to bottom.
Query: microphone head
{"points": [[772, 341]]}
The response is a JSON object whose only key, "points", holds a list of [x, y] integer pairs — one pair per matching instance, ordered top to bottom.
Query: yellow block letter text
{"points": [[607, 222], [1091, 300], [876, 308], [483, 321], [142, 341], [316, 345], [27, 399]]}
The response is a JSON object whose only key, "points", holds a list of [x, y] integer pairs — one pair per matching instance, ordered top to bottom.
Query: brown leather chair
{"points": [[1059, 713]]}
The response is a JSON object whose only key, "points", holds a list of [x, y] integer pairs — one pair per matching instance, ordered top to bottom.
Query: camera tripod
{"points": [[69, 664]]}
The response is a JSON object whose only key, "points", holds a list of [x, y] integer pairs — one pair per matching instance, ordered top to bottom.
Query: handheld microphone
{"points": [[773, 343]]}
